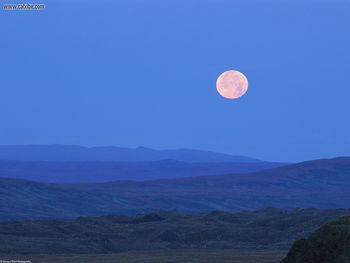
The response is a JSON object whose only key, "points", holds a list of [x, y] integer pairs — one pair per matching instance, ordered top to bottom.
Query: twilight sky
{"points": [[132, 72]]}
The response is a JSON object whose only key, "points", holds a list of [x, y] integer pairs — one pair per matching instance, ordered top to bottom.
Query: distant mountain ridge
{"points": [[58, 152], [94, 172], [320, 184]]}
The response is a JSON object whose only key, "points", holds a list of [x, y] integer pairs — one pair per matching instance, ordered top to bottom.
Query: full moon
{"points": [[232, 84]]}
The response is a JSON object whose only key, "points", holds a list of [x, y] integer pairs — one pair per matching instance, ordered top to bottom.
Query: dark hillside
{"points": [[263, 229], [329, 244]]}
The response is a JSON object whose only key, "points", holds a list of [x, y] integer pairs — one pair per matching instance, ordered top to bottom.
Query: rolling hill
{"points": [[93, 172], [319, 184], [329, 244]]}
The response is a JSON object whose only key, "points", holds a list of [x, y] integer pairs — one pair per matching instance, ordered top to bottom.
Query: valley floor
{"points": [[159, 256]]}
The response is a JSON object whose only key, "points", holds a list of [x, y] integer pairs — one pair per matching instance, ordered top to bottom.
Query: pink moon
{"points": [[232, 84]]}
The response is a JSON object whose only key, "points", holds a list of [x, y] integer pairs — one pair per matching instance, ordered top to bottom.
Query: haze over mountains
{"points": [[58, 152], [76, 164], [92, 172], [103, 180], [56, 182], [319, 184]]}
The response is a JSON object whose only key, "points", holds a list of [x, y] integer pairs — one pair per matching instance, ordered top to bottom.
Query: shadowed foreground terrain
{"points": [[263, 229], [329, 244], [162, 256]]}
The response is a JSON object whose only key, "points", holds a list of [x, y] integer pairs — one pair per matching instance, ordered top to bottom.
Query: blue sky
{"points": [[132, 73]]}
